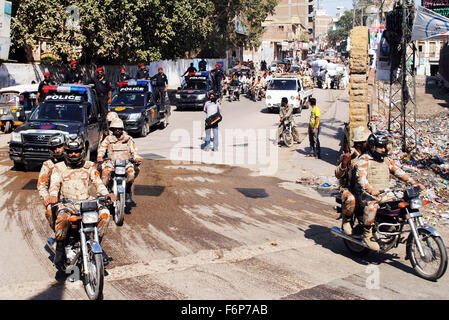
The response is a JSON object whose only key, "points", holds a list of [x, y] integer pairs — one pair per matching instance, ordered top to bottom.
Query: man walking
{"points": [[211, 108], [314, 130]]}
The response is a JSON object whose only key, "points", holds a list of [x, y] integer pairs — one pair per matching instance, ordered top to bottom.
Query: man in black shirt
{"points": [[202, 65], [190, 69], [142, 73], [74, 75], [123, 76], [218, 76], [46, 82], [160, 86], [103, 88]]}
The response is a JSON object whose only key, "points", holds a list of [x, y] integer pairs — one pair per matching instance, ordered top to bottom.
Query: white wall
{"points": [[21, 73]]}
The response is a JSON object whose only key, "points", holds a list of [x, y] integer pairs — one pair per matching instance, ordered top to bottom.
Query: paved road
{"points": [[209, 231]]}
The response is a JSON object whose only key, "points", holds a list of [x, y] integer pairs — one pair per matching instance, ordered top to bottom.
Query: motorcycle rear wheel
{"points": [[287, 137], [433, 248], [94, 277]]}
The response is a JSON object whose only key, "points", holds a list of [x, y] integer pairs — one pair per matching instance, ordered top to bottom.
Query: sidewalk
{"points": [[315, 173]]}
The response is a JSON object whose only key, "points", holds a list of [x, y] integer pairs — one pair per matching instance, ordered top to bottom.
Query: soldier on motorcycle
{"points": [[286, 112], [109, 117], [120, 146], [56, 149], [345, 174], [372, 177], [71, 179]]}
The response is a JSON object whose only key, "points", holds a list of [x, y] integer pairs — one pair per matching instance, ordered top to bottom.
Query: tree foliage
{"points": [[343, 28], [130, 31]]}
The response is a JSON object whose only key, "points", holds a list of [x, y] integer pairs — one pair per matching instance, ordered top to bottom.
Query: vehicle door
{"points": [[94, 129]]}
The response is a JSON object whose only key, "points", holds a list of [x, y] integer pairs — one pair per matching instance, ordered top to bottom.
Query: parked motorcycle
{"points": [[424, 246], [84, 255]]}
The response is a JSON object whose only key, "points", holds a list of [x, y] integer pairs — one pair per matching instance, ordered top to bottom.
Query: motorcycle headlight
{"points": [[201, 97], [134, 116], [16, 137], [120, 170], [415, 203], [90, 217]]}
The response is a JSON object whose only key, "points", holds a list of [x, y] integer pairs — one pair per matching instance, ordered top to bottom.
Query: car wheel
{"points": [[144, 129]]}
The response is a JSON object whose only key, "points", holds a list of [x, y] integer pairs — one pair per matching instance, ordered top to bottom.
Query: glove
{"points": [[138, 160], [50, 200]]}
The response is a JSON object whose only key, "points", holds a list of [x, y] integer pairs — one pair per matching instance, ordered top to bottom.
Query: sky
{"points": [[331, 5]]}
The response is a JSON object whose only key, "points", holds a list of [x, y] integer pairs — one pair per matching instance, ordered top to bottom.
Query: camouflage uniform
{"points": [[288, 113], [122, 148], [345, 175], [372, 175], [43, 183], [73, 183]]}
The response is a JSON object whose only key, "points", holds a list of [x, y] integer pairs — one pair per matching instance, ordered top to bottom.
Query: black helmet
{"points": [[377, 139], [54, 142], [74, 143]]}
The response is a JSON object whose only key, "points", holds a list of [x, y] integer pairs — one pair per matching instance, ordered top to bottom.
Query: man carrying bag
{"points": [[213, 117]]}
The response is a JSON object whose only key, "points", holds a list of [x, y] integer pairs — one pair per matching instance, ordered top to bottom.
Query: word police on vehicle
{"points": [[57, 97]]}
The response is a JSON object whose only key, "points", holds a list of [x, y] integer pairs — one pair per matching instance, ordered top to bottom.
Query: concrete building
{"points": [[286, 33]]}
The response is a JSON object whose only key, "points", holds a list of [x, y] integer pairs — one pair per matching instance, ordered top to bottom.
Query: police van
{"points": [[194, 90], [135, 105], [68, 109]]}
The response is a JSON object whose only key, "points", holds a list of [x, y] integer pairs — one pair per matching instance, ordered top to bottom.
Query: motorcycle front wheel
{"points": [[287, 137], [119, 214], [434, 263], [94, 276]]}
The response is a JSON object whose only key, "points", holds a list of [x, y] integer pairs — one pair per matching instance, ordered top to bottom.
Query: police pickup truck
{"points": [[193, 91], [135, 105], [67, 109]]}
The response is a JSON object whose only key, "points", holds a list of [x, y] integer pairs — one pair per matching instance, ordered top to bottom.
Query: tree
{"points": [[343, 28], [129, 31]]}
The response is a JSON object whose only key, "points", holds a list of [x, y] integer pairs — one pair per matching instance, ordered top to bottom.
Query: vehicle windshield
{"points": [[195, 85], [282, 85], [9, 98], [129, 99], [54, 112]]}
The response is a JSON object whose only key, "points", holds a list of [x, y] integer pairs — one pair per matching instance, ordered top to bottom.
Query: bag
{"points": [[213, 120]]}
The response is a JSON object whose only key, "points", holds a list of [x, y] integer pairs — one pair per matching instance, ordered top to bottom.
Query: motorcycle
{"points": [[233, 90], [256, 95], [287, 135], [117, 186], [424, 246], [84, 255]]}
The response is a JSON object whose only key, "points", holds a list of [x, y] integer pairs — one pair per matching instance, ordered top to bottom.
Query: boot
{"points": [[128, 197], [346, 226], [368, 238], [59, 255]]}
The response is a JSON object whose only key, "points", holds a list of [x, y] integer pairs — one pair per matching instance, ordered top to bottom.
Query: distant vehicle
{"points": [[274, 65], [291, 87], [194, 90], [16, 103], [136, 105], [67, 109]]}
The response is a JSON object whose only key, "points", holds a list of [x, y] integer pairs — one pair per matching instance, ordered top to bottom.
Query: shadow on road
{"points": [[323, 237]]}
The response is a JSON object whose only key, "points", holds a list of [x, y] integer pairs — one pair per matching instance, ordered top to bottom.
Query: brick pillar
{"points": [[358, 78]]}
